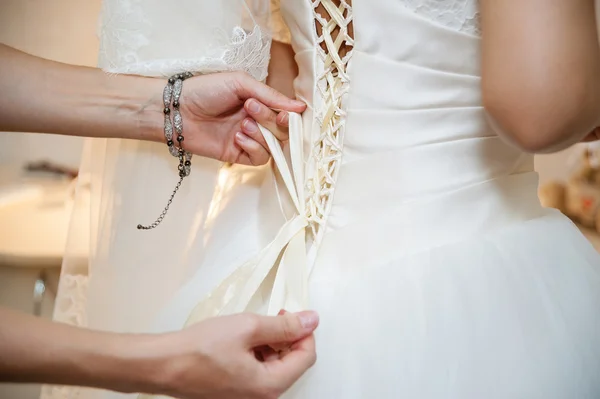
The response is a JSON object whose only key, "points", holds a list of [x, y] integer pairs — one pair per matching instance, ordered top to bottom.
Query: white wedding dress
{"points": [[395, 211]]}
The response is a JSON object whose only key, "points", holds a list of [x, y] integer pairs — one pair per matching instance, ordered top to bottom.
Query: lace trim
{"points": [[460, 15], [123, 35], [120, 46], [244, 51], [332, 85], [71, 301], [70, 308], [52, 392]]}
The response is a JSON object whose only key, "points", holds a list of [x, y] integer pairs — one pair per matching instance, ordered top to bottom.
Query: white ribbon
{"points": [[289, 289]]}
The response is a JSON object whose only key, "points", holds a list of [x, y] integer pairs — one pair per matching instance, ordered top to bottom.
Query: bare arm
{"points": [[541, 71], [44, 96], [35, 350], [193, 363]]}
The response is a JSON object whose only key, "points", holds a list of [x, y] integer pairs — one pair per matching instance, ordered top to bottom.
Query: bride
{"points": [[403, 207]]}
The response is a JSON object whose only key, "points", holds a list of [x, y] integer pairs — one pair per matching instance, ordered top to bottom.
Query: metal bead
{"points": [[171, 80], [176, 104], [167, 110], [180, 138], [170, 143], [187, 163], [182, 173], [139, 226]]}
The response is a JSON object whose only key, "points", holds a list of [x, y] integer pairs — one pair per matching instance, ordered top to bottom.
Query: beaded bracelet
{"points": [[171, 96]]}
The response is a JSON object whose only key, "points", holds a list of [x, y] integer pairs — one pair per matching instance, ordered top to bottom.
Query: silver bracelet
{"points": [[171, 96]]}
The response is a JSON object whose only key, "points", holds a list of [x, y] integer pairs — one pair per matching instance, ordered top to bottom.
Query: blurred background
{"points": [[34, 212], [33, 215]]}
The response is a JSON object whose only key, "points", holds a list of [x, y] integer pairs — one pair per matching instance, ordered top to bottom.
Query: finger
{"points": [[248, 87], [266, 117], [283, 119], [250, 129], [253, 153], [288, 328], [277, 347], [258, 354], [266, 354], [271, 356], [289, 368]]}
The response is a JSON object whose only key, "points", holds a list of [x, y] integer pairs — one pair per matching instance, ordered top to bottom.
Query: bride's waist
{"points": [[397, 176], [426, 222], [417, 227]]}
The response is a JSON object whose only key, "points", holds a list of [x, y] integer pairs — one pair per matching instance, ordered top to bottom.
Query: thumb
{"points": [[248, 87], [287, 328]]}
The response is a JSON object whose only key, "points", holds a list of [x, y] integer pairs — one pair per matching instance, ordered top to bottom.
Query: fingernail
{"points": [[253, 106], [285, 118], [250, 126], [240, 136], [308, 319]]}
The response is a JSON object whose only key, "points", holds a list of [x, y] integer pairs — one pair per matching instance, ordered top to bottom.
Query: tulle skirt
{"points": [[433, 311], [513, 313]]}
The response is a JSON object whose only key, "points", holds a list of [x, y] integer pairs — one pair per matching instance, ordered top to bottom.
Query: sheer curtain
{"points": [[114, 276]]}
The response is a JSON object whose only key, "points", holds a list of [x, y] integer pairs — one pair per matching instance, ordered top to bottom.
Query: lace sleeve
{"points": [[281, 32], [209, 36]]}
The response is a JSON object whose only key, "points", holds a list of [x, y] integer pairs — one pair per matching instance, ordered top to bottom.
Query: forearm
{"points": [[43, 96], [38, 351]]}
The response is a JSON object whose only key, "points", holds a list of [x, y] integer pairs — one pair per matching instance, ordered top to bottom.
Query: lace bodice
{"points": [[460, 15]]}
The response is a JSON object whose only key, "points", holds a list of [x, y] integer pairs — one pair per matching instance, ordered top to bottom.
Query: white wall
{"points": [[61, 30]]}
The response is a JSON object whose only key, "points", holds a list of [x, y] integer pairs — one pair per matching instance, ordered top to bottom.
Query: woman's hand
{"points": [[75, 100], [220, 112], [276, 122], [222, 357], [216, 358]]}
